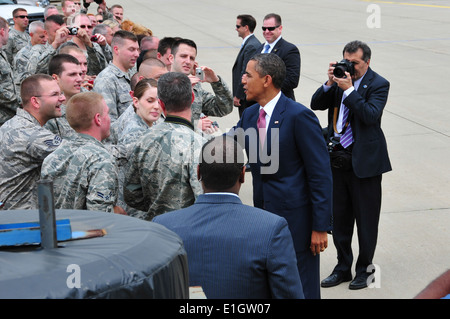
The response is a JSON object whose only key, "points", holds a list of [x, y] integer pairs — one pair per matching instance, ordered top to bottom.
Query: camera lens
{"points": [[339, 71]]}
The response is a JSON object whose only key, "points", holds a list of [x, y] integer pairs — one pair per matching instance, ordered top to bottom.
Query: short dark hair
{"points": [[17, 10], [277, 17], [55, 18], [247, 20], [122, 35], [178, 42], [164, 44], [354, 46], [270, 64], [55, 65], [31, 86], [175, 91], [221, 163]]}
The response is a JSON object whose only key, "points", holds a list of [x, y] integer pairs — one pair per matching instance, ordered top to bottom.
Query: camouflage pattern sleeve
{"points": [[16, 41], [8, 94], [218, 104], [103, 186]]}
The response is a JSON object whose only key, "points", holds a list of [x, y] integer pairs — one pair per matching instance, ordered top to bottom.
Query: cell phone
{"points": [[199, 73]]}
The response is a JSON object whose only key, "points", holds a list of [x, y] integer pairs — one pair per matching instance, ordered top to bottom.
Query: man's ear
{"points": [[97, 119], [242, 176], [199, 177]]}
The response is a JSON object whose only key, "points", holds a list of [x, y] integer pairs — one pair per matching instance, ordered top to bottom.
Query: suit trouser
{"points": [[355, 200], [309, 269]]}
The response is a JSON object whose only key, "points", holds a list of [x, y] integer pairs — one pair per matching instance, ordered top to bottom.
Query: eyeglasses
{"points": [[22, 17], [86, 26], [269, 28], [56, 94]]}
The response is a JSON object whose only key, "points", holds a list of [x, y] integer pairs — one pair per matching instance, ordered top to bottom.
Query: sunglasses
{"points": [[22, 17], [100, 21], [86, 26], [238, 26], [269, 28]]}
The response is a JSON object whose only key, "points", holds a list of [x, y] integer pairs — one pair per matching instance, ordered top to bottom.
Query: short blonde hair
{"points": [[82, 108]]}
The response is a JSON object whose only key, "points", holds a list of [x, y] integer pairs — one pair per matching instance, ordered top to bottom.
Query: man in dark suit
{"points": [[245, 25], [287, 51], [355, 104], [291, 170], [235, 251]]}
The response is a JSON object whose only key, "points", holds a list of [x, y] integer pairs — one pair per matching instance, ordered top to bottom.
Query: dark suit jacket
{"points": [[249, 49], [290, 54], [370, 156], [300, 190], [234, 250]]}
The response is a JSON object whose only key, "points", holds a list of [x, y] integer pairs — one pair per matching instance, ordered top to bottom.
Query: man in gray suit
{"points": [[245, 25], [235, 251]]}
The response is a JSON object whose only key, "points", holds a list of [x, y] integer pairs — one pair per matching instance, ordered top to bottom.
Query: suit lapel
{"points": [[277, 47], [276, 120]]}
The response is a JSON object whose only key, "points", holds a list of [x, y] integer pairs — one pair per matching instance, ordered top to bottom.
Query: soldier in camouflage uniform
{"points": [[18, 35], [184, 52], [94, 53], [40, 55], [22, 58], [66, 70], [114, 81], [8, 96], [146, 113], [24, 143], [83, 172], [161, 174]]}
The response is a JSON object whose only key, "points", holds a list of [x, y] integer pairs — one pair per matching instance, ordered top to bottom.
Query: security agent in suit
{"points": [[245, 25], [288, 52], [291, 170], [357, 186], [235, 251]]}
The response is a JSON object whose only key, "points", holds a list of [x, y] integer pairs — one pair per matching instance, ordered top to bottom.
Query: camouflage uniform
{"points": [[16, 41], [26, 63], [114, 86], [8, 94], [218, 104], [60, 126], [134, 128], [24, 144], [162, 169], [84, 175]]}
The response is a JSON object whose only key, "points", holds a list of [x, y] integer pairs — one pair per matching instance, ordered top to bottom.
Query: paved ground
{"points": [[410, 45]]}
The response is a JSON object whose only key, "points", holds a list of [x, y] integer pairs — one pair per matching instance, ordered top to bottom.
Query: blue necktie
{"points": [[266, 48], [347, 137]]}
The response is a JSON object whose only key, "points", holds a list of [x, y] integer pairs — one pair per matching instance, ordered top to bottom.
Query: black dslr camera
{"points": [[344, 66]]}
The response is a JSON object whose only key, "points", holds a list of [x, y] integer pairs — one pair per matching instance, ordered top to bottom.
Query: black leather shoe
{"points": [[335, 279], [359, 282]]}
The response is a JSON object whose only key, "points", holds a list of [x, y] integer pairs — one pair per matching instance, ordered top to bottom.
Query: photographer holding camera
{"points": [[355, 97]]}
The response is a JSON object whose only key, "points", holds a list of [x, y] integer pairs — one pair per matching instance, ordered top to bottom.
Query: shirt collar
{"points": [[273, 43], [269, 107], [179, 120]]}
